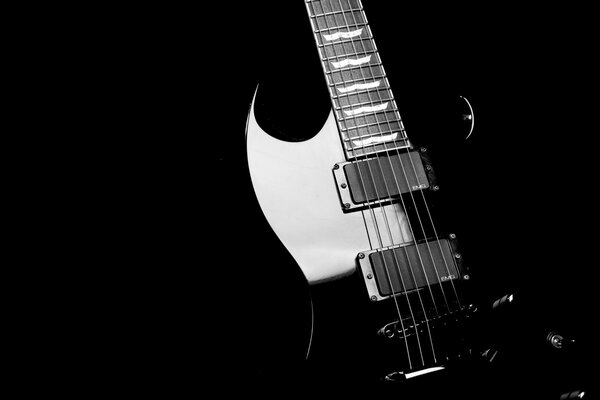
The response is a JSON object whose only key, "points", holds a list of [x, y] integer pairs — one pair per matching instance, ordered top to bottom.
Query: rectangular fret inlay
{"points": [[345, 35], [349, 61], [359, 86], [366, 109], [375, 139]]}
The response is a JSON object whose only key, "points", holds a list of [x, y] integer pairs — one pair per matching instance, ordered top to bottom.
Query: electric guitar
{"points": [[357, 208]]}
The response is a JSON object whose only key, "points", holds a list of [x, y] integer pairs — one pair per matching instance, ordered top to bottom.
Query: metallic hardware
{"points": [[469, 117], [376, 149], [380, 189], [452, 236], [361, 255], [466, 277], [381, 286], [503, 301], [408, 327], [555, 340], [560, 342], [489, 355], [402, 376], [576, 394]]}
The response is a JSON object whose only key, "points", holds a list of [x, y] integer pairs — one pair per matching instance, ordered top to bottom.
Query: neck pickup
{"points": [[382, 179]]}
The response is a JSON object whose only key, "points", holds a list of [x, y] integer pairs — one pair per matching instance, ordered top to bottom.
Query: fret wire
{"points": [[333, 13], [331, 21], [363, 51]]}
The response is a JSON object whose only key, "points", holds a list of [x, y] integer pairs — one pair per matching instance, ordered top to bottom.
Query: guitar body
{"points": [[294, 186], [356, 219]]}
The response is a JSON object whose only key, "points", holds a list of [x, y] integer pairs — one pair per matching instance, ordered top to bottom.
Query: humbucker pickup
{"points": [[381, 179], [403, 269]]}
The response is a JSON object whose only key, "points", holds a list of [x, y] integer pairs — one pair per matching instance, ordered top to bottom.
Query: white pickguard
{"points": [[295, 187]]}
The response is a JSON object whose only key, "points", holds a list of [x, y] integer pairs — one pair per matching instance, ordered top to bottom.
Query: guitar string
{"points": [[387, 121], [387, 151], [404, 171], [406, 178], [370, 209], [383, 210], [398, 217], [411, 228], [436, 236], [427, 318]]}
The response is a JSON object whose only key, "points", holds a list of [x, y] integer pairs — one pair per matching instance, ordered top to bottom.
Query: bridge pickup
{"points": [[381, 179], [404, 269]]}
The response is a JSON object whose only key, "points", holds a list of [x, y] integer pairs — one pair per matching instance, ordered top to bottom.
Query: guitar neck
{"points": [[364, 106]]}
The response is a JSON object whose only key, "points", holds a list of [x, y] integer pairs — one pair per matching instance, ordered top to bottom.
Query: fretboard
{"points": [[365, 109]]}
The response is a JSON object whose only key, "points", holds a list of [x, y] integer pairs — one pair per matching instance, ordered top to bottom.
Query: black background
{"points": [[196, 278]]}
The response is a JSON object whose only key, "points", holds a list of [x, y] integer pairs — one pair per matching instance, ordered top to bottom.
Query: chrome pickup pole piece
{"points": [[381, 179]]}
